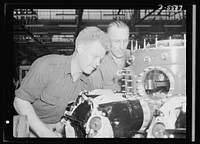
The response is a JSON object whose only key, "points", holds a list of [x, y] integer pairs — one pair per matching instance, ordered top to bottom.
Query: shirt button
{"points": [[54, 129]]}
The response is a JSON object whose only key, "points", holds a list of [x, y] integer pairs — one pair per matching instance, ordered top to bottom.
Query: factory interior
{"points": [[37, 32], [40, 32]]}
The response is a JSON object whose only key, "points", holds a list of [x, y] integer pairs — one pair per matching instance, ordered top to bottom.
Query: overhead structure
{"points": [[38, 32]]}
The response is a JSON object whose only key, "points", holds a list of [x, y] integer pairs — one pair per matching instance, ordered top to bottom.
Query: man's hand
{"points": [[36, 125], [69, 130], [50, 134], [57, 135]]}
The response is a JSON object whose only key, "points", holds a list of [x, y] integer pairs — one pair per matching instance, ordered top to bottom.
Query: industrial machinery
{"points": [[152, 103], [102, 113]]}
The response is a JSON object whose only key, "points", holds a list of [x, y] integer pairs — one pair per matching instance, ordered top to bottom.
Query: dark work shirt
{"points": [[105, 76], [49, 86]]}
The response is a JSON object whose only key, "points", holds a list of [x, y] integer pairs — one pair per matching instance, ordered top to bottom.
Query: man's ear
{"points": [[80, 48]]}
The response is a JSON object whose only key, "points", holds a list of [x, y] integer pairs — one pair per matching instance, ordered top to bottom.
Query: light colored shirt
{"points": [[105, 76], [49, 86]]}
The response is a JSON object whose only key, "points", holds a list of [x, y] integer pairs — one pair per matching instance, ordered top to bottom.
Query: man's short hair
{"points": [[118, 24], [91, 34]]}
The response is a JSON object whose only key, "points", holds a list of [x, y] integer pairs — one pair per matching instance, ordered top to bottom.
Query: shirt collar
{"points": [[123, 58], [68, 65], [83, 77]]}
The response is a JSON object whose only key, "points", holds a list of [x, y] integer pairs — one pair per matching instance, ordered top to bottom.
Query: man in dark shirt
{"points": [[106, 74], [54, 80]]}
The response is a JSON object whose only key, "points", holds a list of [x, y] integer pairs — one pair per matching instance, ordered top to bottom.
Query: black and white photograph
{"points": [[124, 71]]}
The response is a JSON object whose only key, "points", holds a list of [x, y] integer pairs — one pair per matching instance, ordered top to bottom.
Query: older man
{"points": [[106, 75]]}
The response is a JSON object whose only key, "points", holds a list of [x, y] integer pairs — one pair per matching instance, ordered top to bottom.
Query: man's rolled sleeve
{"points": [[34, 82], [20, 93]]}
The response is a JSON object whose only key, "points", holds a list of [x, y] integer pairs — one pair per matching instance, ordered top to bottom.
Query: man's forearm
{"points": [[25, 108]]}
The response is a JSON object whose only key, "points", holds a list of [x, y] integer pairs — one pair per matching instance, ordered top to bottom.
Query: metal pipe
{"points": [[156, 41], [170, 41], [144, 43], [136, 45], [131, 47]]}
